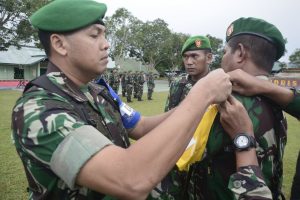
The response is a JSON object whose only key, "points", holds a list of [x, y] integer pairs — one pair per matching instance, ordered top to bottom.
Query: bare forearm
{"points": [[280, 95], [146, 124], [246, 158]]}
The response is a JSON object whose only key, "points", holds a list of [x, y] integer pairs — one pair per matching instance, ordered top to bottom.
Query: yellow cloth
{"points": [[195, 149]]}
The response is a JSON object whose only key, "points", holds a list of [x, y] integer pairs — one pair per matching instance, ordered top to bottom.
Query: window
{"points": [[19, 72]]}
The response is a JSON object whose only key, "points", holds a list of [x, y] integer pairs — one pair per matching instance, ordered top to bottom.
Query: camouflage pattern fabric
{"points": [[114, 80], [123, 83], [135, 84], [150, 85], [129, 86], [140, 86], [180, 87], [293, 108], [42, 120], [215, 176], [210, 177], [249, 177]]}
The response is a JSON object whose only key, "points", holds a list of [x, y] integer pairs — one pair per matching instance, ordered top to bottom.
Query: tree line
{"points": [[151, 42]]}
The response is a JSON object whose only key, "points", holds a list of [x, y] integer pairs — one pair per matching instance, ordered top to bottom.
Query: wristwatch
{"points": [[243, 142]]}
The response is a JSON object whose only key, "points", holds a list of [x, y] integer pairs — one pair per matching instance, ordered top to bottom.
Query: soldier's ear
{"points": [[58, 44], [241, 54], [209, 58]]}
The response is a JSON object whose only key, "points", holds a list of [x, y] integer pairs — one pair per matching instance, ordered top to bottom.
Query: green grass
{"points": [[12, 178]]}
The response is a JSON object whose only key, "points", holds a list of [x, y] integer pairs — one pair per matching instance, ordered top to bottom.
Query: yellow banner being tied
{"points": [[195, 149]]}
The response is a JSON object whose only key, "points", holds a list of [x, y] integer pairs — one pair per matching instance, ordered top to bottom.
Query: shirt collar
{"points": [[57, 77]]}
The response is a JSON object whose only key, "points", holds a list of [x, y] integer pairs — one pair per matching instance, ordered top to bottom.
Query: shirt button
{"points": [[237, 184]]}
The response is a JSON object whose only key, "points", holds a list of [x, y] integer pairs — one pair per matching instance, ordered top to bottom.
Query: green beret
{"points": [[68, 15], [260, 28], [197, 42]]}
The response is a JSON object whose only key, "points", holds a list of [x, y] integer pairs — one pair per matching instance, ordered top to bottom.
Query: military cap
{"points": [[68, 15], [260, 28], [197, 42]]}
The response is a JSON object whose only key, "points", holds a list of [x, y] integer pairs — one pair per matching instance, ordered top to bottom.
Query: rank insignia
{"points": [[229, 30], [198, 43]]}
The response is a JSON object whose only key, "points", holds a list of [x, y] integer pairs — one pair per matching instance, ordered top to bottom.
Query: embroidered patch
{"points": [[229, 30], [198, 43]]}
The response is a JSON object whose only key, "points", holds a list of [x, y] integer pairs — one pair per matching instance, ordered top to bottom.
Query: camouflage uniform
{"points": [[171, 78], [114, 80], [123, 83], [135, 84], [140, 85], [150, 85], [129, 86], [180, 87], [50, 130], [215, 176]]}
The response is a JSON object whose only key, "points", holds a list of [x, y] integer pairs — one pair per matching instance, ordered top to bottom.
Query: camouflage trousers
{"points": [[129, 89]]}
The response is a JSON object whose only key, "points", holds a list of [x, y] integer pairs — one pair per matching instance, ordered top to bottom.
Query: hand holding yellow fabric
{"points": [[195, 149]]}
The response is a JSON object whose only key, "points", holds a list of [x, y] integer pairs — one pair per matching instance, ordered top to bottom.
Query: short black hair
{"points": [[44, 37], [262, 52]]}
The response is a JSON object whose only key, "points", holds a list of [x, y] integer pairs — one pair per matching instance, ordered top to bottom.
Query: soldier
{"points": [[196, 55], [171, 77], [111, 78], [114, 80], [141, 81], [123, 83], [135, 83], [116, 84], [150, 85], [129, 86], [73, 135], [269, 136], [229, 169]]}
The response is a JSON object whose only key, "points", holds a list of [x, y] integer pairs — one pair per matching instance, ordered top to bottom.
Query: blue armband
{"points": [[129, 116]]}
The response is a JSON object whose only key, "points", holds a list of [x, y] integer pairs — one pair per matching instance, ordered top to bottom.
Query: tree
{"points": [[14, 24], [119, 30], [151, 42], [217, 50], [295, 57], [173, 59]]}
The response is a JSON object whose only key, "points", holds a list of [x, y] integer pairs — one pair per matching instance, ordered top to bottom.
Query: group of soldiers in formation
{"points": [[132, 83]]}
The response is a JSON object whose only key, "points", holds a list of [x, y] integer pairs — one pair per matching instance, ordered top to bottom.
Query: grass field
{"points": [[12, 178]]}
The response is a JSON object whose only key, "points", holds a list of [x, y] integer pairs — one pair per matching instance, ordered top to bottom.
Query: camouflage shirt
{"points": [[179, 88], [293, 108], [54, 142], [210, 177], [216, 177]]}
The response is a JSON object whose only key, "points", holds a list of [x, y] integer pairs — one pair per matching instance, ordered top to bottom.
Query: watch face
{"points": [[242, 141]]}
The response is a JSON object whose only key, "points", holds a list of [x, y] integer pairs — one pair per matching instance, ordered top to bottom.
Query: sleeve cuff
{"points": [[75, 150], [248, 182]]}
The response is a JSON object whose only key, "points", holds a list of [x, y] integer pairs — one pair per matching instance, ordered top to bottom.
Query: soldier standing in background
{"points": [[196, 56], [111, 78], [140, 82], [116, 83], [123, 83], [135, 83], [150, 85], [129, 86]]}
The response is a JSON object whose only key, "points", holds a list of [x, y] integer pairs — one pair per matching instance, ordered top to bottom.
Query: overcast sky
{"points": [[213, 16]]}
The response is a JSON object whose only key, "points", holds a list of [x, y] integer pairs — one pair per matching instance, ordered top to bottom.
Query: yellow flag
{"points": [[195, 149]]}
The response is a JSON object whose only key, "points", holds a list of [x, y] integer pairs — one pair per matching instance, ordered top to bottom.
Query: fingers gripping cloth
{"points": [[129, 116], [195, 149]]}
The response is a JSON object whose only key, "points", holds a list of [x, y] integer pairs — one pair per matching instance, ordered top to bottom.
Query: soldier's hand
{"points": [[244, 83], [219, 85], [234, 117]]}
